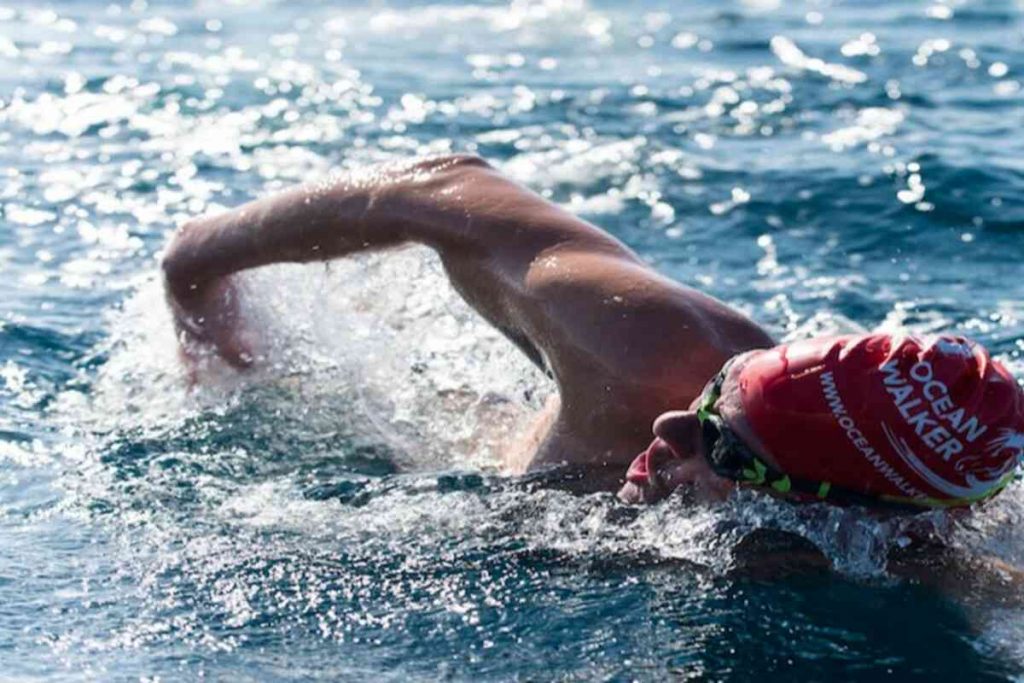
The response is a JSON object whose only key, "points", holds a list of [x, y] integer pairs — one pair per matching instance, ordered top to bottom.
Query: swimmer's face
{"points": [[676, 458]]}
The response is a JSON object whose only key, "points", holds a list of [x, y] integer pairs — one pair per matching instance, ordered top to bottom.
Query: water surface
{"points": [[338, 514]]}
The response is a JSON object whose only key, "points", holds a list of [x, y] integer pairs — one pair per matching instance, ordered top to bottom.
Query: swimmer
{"points": [[643, 364]]}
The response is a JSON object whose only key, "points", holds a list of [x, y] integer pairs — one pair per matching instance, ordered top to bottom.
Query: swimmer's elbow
{"points": [[452, 163], [447, 172], [445, 200], [171, 262], [178, 262], [175, 271]]}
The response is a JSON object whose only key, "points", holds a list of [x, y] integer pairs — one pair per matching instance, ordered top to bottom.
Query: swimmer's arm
{"points": [[455, 203], [487, 229], [531, 268], [623, 342], [979, 580], [983, 580]]}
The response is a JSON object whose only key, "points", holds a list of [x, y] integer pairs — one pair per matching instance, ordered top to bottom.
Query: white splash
{"points": [[384, 333]]}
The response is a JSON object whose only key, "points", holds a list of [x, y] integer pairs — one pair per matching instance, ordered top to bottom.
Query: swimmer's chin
{"points": [[204, 364], [689, 493], [633, 494]]}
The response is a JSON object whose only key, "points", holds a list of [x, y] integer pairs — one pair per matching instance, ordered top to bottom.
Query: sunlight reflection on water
{"points": [[823, 168]]}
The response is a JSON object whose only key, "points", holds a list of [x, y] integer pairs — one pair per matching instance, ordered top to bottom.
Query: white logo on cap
{"points": [[954, 347], [1008, 439], [976, 486]]}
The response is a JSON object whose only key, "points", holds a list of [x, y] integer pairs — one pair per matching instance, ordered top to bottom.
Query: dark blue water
{"points": [[338, 514]]}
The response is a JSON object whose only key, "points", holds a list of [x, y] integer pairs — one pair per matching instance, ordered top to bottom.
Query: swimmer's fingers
{"points": [[210, 319]]}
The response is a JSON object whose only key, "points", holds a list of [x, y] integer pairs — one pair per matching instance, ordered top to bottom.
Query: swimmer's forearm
{"points": [[373, 209], [281, 228]]}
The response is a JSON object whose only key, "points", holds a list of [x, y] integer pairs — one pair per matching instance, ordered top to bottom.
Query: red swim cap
{"points": [[934, 421]]}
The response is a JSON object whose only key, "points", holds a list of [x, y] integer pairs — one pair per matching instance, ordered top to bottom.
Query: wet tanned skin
{"points": [[625, 344]]}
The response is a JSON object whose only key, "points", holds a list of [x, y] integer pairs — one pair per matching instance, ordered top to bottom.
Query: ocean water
{"points": [[338, 513]]}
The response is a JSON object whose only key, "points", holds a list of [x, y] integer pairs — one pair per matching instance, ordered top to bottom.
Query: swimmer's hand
{"points": [[206, 314], [208, 318]]}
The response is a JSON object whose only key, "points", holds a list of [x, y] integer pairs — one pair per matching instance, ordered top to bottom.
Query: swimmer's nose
{"points": [[678, 429]]}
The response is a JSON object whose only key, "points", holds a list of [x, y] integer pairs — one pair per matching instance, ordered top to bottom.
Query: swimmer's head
{"points": [[872, 419], [678, 458]]}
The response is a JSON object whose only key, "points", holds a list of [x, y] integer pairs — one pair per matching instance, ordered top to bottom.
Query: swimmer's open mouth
{"points": [[643, 469]]}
